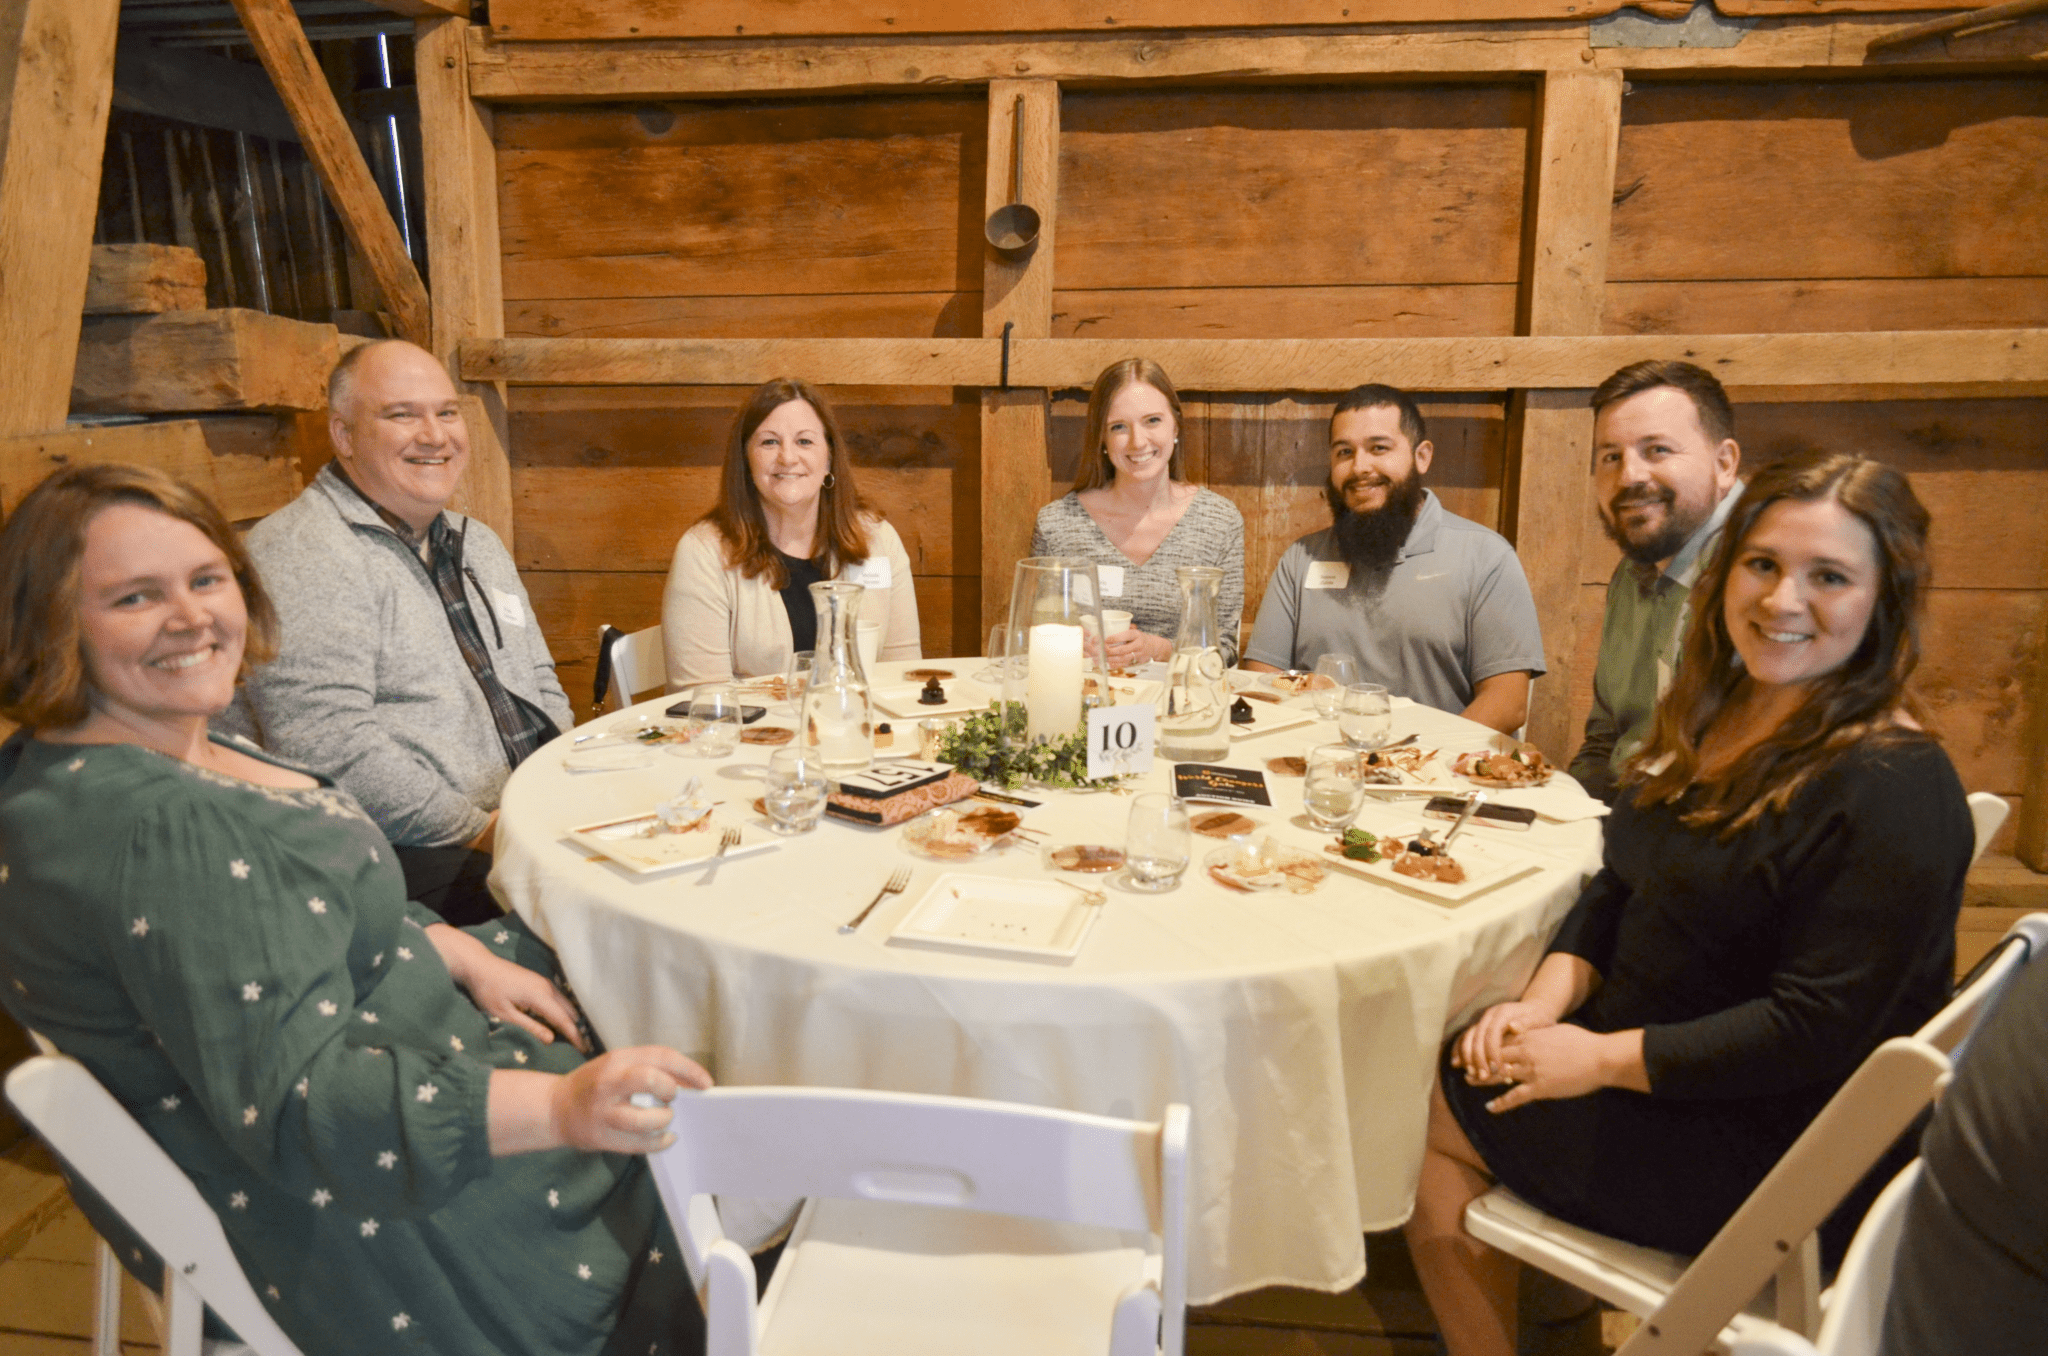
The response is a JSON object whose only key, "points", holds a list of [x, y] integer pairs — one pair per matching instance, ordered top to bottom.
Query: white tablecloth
{"points": [[1302, 1030]]}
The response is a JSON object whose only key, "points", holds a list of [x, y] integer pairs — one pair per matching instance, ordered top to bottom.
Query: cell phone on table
{"points": [[748, 714], [1491, 815]]}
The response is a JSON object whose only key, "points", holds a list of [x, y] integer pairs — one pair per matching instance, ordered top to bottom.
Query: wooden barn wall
{"points": [[1363, 210]]}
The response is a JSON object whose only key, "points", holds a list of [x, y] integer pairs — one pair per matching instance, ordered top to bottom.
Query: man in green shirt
{"points": [[1664, 473]]}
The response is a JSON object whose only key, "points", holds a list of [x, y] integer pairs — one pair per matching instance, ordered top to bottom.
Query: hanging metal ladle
{"points": [[1012, 229]]}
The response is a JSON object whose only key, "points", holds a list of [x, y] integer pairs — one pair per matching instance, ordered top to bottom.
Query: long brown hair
{"points": [[1096, 468], [842, 537], [43, 680], [1851, 704]]}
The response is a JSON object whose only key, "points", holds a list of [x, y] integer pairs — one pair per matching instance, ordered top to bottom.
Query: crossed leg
{"points": [[1470, 1286]]}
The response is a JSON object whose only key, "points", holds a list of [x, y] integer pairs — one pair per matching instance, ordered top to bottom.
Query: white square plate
{"points": [[964, 697], [625, 841], [1487, 862], [997, 916]]}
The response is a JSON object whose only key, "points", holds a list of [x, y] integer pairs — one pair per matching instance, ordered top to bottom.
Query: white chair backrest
{"points": [[638, 664], [1987, 817], [2023, 941], [103, 1144], [851, 1144], [1855, 1314]]}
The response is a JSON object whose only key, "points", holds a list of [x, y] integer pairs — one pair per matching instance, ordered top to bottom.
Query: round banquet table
{"points": [[1302, 1030]]}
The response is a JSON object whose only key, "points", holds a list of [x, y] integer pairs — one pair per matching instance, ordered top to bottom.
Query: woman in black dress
{"points": [[1783, 870]]}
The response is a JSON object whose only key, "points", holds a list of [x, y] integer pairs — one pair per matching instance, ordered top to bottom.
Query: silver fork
{"points": [[729, 839], [895, 886], [1088, 896]]}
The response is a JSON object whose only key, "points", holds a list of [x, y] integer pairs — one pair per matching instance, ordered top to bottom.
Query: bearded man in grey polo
{"points": [[1664, 475], [1432, 606]]}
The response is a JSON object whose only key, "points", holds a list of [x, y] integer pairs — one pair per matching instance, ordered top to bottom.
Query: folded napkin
{"points": [[1565, 804]]}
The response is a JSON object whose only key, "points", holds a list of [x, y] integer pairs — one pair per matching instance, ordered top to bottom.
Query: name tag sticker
{"points": [[872, 573], [1327, 574], [1112, 577], [1084, 590], [510, 610], [1120, 740]]}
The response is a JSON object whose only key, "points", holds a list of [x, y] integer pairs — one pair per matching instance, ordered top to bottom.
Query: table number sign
{"points": [[1120, 740]]}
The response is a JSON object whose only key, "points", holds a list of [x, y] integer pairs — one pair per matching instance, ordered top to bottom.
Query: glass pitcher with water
{"points": [[1194, 711], [838, 722]]}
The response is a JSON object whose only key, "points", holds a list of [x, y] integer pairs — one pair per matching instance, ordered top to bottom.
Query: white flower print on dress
{"points": [[74, 765], [374, 857], [239, 869], [3, 873], [317, 905], [139, 928], [502, 937], [405, 953], [377, 960], [251, 992], [328, 1007], [370, 1017], [455, 1044], [519, 1056], [302, 1086], [425, 1092], [169, 1103], [248, 1115], [388, 1159], [322, 1197], [554, 1198], [239, 1201], [368, 1228], [654, 1255], [582, 1271], [272, 1292], [400, 1322]]}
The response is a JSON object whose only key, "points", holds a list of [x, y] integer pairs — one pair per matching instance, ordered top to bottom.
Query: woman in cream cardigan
{"points": [[737, 602]]}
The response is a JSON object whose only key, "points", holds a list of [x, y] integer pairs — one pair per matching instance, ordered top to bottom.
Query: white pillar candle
{"points": [[1052, 686]]}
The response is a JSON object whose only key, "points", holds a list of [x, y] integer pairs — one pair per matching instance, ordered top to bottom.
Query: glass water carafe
{"points": [[1194, 711], [838, 721]]}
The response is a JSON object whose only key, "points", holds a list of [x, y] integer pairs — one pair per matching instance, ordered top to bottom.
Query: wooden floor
{"points": [[46, 1268]]}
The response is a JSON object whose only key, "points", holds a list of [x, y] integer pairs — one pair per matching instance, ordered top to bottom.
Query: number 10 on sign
{"points": [[1120, 740]]}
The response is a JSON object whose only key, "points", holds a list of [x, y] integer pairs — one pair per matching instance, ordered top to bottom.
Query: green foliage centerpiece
{"points": [[976, 747]]}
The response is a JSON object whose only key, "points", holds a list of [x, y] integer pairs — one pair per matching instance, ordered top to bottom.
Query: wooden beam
{"points": [[426, 9], [1986, 17], [591, 20], [281, 45], [582, 72], [56, 83], [199, 88], [1578, 123], [460, 171], [144, 280], [1926, 360], [181, 361], [241, 461], [1016, 477], [2030, 837]]}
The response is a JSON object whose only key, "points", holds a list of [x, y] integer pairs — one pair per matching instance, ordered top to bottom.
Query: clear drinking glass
{"points": [[1342, 671], [798, 676], [1366, 716], [715, 721], [1334, 788], [796, 792], [1156, 842]]}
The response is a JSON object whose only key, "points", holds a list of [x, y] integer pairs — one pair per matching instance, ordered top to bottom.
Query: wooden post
{"points": [[281, 45], [56, 85], [460, 170], [1550, 432], [1016, 479], [2030, 838]]}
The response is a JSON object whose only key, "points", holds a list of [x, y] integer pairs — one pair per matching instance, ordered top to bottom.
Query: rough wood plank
{"points": [[426, 9], [1982, 17], [597, 20], [281, 45], [579, 72], [56, 83], [199, 88], [459, 170], [1831, 180], [1573, 190], [879, 195], [1254, 199], [144, 279], [1019, 291], [1824, 304], [1359, 311], [879, 315], [1903, 358], [179, 361], [688, 426], [1551, 437], [242, 462], [1980, 467], [1015, 483], [630, 518], [2030, 834]]}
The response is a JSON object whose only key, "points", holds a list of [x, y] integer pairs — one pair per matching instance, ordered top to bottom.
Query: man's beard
{"points": [[1667, 541], [1370, 542]]}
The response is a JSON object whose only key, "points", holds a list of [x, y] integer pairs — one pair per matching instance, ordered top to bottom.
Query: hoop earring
{"points": [[830, 480]]}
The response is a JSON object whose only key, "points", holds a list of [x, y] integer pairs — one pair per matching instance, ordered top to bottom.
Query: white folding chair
{"points": [[628, 665], [1987, 817], [101, 1143], [934, 1224], [1695, 1304]]}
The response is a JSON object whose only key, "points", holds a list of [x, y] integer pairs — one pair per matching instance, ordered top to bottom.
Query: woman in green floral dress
{"points": [[396, 1121]]}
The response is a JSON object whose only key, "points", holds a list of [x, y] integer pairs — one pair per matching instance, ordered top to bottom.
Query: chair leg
{"points": [[1798, 1289], [106, 1301], [184, 1321]]}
